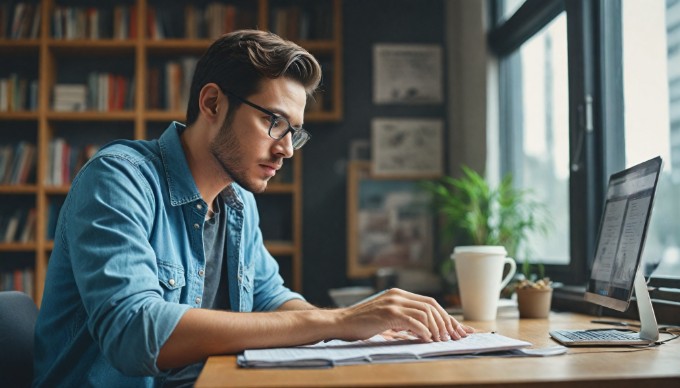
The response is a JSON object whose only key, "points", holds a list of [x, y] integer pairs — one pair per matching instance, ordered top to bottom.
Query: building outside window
{"points": [[651, 70]]}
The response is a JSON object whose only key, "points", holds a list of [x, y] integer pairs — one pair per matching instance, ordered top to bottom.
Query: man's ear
{"points": [[209, 100]]}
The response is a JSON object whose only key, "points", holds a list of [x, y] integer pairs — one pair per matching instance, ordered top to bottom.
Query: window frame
{"points": [[596, 121], [586, 183]]}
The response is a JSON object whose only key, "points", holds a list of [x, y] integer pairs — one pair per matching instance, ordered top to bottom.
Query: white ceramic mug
{"points": [[479, 270]]}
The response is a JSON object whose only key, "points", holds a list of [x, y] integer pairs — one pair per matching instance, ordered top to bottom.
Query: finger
{"points": [[429, 316], [444, 322], [432, 323], [441, 324], [416, 325], [460, 329], [468, 329], [454, 331]]}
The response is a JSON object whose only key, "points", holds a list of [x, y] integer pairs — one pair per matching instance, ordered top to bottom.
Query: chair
{"points": [[18, 314]]}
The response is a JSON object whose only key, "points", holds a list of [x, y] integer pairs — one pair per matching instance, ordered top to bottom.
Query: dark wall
{"points": [[324, 176]]}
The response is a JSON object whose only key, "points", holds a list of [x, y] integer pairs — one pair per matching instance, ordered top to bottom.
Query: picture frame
{"points": [[408, 74], [407, 147], [390, 223]]}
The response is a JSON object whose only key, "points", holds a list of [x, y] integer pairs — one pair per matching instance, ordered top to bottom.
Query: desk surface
{"points": [[594, 366]]}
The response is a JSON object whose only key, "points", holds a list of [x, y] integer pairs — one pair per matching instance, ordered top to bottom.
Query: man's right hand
{"points": [[399, 310]]}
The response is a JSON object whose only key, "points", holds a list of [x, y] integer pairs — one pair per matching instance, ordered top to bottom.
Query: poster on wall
{"points": [[407, 74], [407, 148], [390, 223]]}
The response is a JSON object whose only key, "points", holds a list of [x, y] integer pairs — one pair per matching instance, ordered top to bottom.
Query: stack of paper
{"points": [[375, 349]]}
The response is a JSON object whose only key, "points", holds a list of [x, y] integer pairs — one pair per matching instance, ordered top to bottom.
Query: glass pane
{"points": [[509, 7], [651, 59], [537, 104]]}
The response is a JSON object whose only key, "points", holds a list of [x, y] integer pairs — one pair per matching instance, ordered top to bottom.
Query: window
{"points": [[651, 79], [587, 88], [535, 136]]}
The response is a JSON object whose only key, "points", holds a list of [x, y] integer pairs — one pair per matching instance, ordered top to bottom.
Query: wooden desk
{"points": [[587, 367]]}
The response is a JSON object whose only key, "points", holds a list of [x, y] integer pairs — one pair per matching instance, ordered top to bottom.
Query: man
{"points": [[158, 260]]}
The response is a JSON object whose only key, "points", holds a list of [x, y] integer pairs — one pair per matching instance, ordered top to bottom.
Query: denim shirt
{"points": [[128, 262]]}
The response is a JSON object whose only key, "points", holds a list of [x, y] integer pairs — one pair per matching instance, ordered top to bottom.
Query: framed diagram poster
{"points": [[407, 74], [410, 148], [390, 223]]}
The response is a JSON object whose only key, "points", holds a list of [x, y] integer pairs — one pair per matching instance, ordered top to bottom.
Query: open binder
{"points": [[374, 350]]}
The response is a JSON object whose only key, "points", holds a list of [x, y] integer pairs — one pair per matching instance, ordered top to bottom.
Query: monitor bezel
{"points": [[591, 295]]}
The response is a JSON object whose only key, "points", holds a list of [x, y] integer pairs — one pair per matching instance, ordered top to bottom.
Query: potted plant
{"points": [[475, 213], [534, 292]]}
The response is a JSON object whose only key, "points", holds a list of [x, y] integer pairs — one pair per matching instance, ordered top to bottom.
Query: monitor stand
{"points": [[649, 330]]}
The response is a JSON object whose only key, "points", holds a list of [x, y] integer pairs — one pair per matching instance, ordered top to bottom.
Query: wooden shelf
{"points": [[20, 46], [177, 46], [88, 47], [43, 57], [158, 115], [18, 116], [92, 116], [280, 188], [18, 189], [57, 190], [18, 247], [280, 248]]}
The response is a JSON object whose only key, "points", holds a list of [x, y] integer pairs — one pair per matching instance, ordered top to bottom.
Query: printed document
{"points": [[375, 349]]}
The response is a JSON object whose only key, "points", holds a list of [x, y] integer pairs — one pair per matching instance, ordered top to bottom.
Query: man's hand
{"points": [[400, 310]]}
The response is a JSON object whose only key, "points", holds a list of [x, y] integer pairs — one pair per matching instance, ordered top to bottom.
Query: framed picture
{"points": [[407, 74], [407, 148], [390, 223]]}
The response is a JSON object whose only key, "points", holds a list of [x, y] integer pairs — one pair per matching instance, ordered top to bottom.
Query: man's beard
{"points": [[227, 150]]}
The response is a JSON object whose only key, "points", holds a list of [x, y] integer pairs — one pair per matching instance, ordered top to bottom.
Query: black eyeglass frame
{"points": [[299, 135]]}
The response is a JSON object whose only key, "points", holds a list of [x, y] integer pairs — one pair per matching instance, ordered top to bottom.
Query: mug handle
{"points": [[513, 269]]}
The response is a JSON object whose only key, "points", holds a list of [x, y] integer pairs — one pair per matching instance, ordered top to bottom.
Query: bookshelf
{"points": [[50, 45]]}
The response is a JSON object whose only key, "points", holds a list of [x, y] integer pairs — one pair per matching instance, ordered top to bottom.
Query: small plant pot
{"points": [[534, 302]]}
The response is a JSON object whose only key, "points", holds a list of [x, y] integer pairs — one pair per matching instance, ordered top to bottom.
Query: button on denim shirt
{"points": [[128, 262]]}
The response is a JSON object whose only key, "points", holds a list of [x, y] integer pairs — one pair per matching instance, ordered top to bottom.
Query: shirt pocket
{"points": [[171, 278]]}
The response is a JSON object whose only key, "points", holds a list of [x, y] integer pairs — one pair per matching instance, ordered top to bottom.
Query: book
{"points": [[375, 350]]}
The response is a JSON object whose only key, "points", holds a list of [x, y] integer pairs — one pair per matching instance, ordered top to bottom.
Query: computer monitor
{"points": [[623, 228]]}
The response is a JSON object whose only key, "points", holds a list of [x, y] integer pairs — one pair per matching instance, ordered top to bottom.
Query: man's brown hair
{"points": [[240, 60]]}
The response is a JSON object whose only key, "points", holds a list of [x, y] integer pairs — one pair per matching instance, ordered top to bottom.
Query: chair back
{"points": [[18, 314]]}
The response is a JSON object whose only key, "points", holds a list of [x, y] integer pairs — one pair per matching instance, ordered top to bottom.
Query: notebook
{"points": [[616, 268]]}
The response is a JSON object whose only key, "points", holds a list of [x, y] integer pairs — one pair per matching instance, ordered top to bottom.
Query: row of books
{"points": [[22, 21], [177, 21], [119, 22], [298, 23], [169, 84], [103, 92], [18, 93], [65, 160], [17, 163], [18, 226], [17, 280]]}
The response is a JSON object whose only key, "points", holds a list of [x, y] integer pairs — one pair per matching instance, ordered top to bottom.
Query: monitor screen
{"points": [[621, 238]]}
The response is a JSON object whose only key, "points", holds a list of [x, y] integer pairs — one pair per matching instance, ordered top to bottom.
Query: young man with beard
{"points": [[158, 260]]}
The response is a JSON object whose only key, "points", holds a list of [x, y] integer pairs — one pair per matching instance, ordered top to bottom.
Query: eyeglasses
{"points": [[279, 126]]}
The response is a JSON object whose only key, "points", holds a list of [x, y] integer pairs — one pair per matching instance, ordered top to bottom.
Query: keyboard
{"points": [[598, 337]]}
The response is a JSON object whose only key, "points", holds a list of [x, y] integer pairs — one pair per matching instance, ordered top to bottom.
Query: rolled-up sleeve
{"points": [[115, 267]]}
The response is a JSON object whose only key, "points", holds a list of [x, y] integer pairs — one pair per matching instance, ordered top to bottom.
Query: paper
{"points": [[375, 349]]}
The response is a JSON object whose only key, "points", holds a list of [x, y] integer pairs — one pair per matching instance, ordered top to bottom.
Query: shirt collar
{"points": [[181, 183]]}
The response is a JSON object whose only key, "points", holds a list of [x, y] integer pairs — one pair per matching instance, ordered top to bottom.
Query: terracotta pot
{"points": [[534, 302]]}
